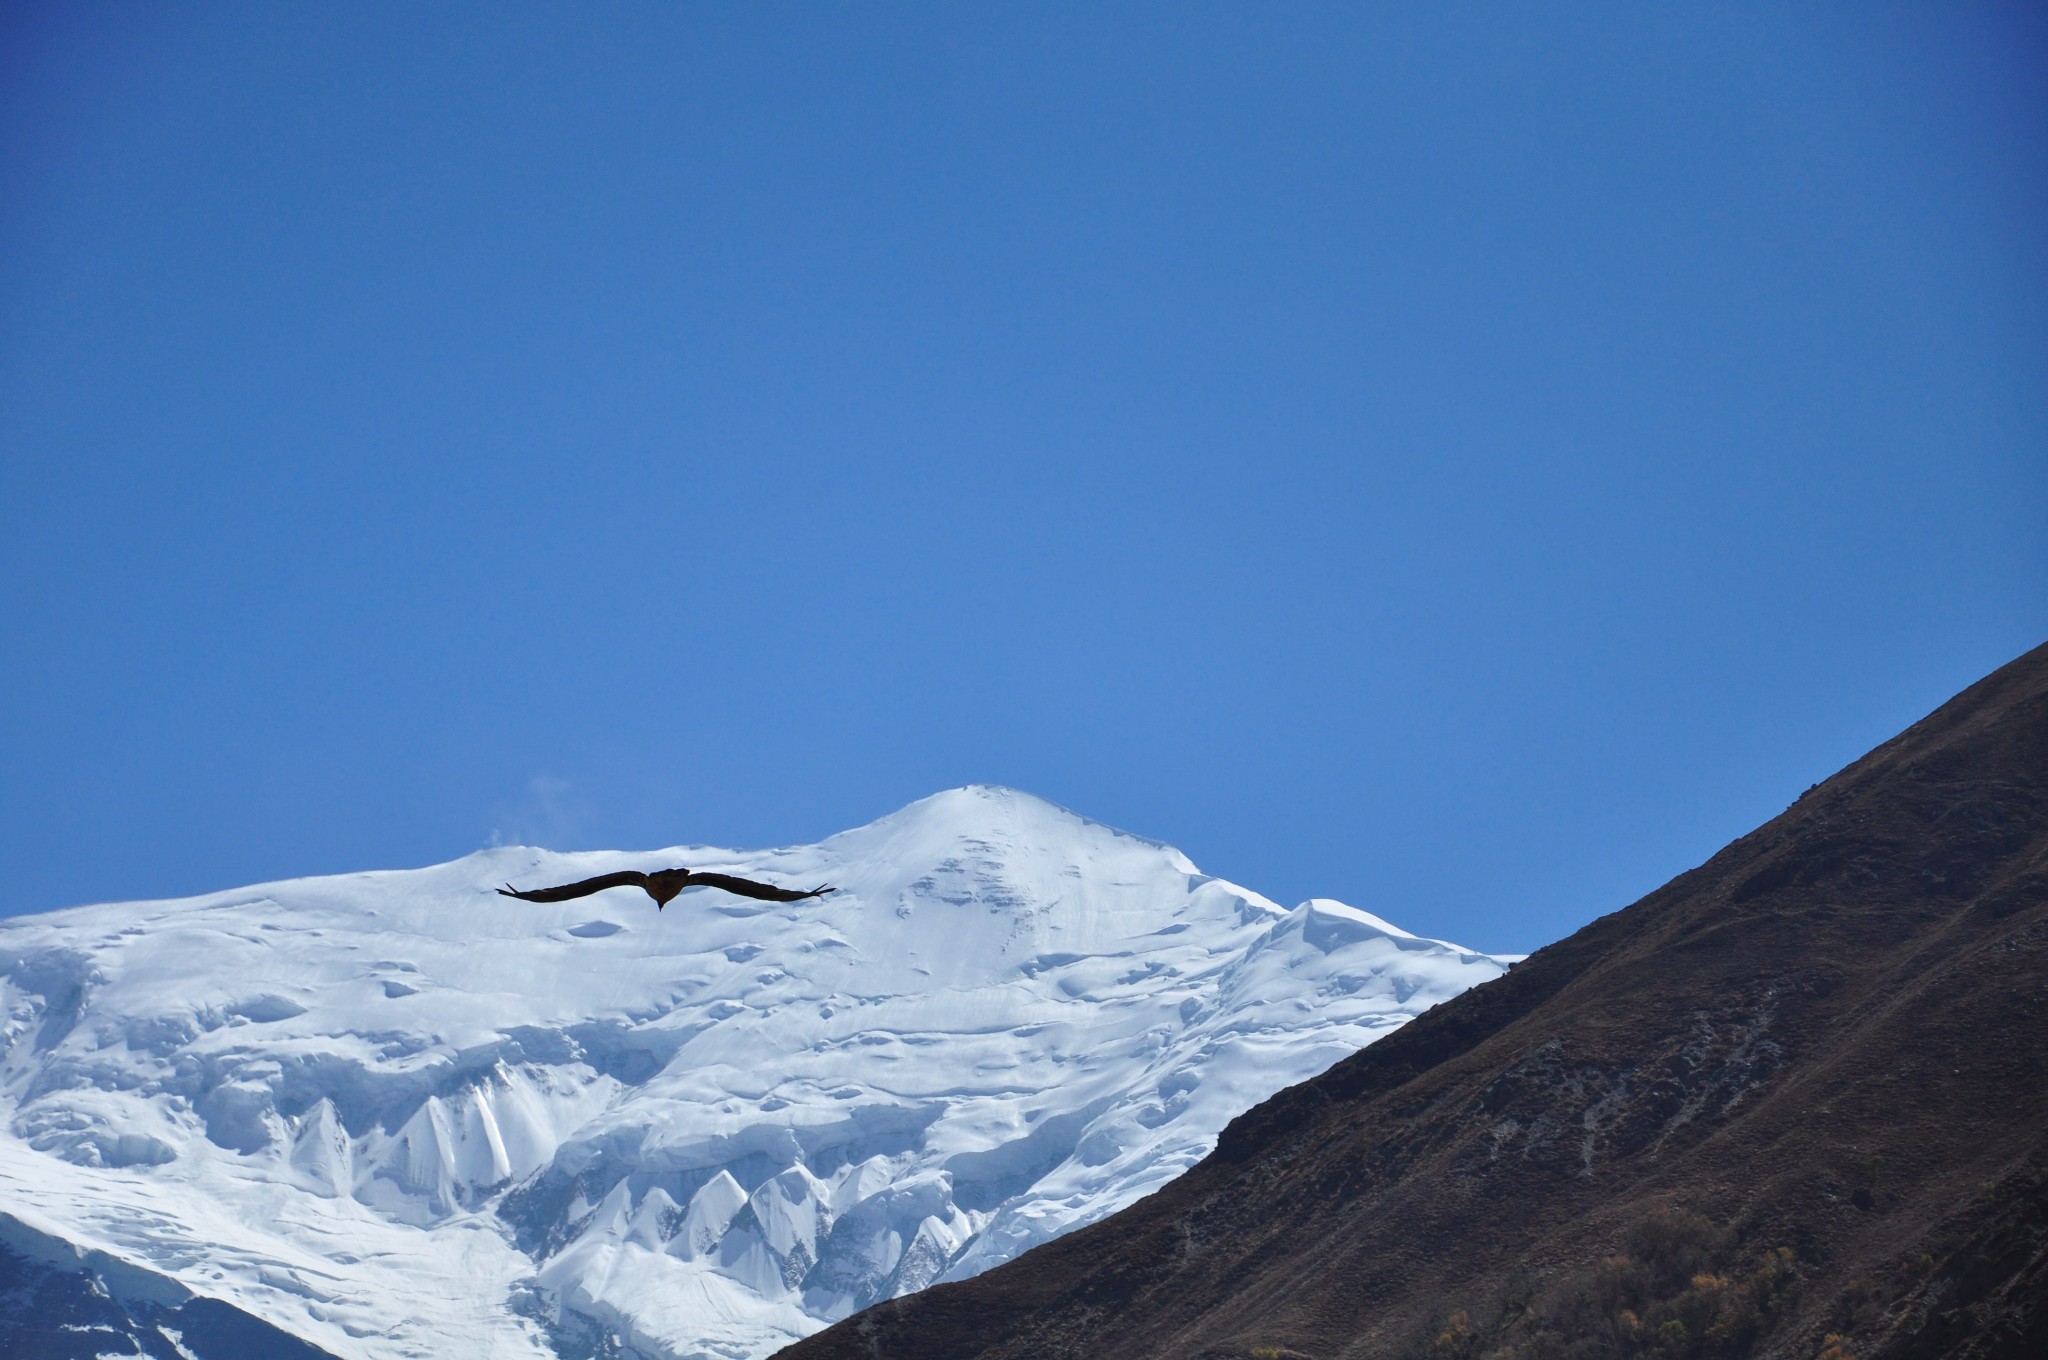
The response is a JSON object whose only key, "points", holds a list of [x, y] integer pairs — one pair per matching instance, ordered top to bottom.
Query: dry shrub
{"points": [[1677, 1291]]}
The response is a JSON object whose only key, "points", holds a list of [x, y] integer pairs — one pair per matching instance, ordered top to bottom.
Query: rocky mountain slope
{"points": [[1794, 1103], [396, 1114]]}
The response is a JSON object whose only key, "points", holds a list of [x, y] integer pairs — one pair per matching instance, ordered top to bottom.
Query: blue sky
{"points": [[1472, 463]]}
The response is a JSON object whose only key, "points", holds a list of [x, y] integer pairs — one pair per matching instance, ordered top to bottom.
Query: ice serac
{"points": [[397, 1114]]}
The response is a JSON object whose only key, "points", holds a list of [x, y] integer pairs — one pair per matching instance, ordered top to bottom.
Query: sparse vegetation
{"points": [[1679, 1290]]}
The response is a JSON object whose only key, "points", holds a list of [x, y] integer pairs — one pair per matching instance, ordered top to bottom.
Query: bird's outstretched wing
{"points": [[625, 878], [746, 887]]}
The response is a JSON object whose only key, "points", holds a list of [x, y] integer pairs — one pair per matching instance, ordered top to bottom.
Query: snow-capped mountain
{"points": [[395, 1114]]}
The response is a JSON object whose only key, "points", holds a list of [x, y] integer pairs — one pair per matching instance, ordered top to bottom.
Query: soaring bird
{"points": [[662, 885]]}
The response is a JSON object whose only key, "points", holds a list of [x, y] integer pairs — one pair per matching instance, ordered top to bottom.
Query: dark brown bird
{"points": [[662, 885]]}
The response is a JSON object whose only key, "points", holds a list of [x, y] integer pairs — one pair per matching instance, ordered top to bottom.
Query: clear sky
{"points": [[1469, 460]]}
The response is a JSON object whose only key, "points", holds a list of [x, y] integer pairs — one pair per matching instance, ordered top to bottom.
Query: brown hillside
{"points": [[1792, 1103]]}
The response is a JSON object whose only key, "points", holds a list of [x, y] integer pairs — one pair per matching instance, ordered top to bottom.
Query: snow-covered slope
{"points": [[399, 1115]]}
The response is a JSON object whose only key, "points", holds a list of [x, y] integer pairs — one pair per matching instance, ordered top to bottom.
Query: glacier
{"points": [[394, 1114]]}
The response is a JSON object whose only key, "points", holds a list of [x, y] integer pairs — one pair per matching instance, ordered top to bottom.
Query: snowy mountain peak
{"points": [[1006, 815], [985, 834], [395, 1111]]}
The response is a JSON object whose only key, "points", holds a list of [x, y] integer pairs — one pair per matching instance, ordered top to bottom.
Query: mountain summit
{"points": [[1790, 1104], [395, 1114]]}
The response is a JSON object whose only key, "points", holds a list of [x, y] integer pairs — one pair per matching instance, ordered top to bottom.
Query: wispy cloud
{"points": [[550, 812]]}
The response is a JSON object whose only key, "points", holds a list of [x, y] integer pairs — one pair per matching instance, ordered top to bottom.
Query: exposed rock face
{"points": [[1792, 1103], [58, 1302]]}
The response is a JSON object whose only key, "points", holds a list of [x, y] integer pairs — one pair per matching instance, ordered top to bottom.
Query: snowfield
{"points": [[396, 1114]]}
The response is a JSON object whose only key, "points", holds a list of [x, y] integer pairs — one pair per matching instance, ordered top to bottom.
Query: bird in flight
{"points": [[662, 885]]}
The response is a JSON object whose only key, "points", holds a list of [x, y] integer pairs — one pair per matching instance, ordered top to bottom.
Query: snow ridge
{"points": [[396, 1114]]}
